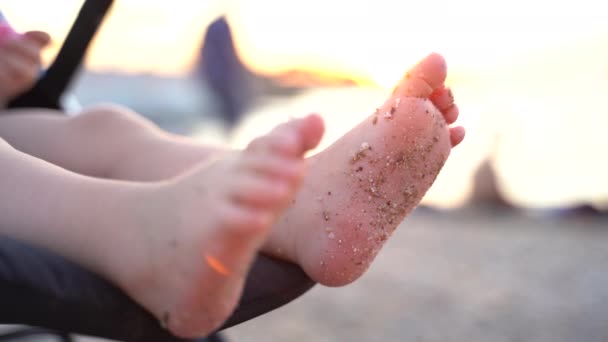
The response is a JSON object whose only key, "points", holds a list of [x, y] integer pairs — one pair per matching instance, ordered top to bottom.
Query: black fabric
{"points": [[271, 283], [43, 289], [25, 334]]}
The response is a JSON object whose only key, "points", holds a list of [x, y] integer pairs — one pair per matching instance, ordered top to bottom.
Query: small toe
{"points": [[442, 98], [451, 114], [456, 135], [274, 167], [260, 192], [243, 219]]}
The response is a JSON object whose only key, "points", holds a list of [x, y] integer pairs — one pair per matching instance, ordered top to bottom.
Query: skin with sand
{"points": [[362, 187]]}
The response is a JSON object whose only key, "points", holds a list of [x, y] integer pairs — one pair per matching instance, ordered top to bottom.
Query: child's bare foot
{"points": [[361, 188], [198, 235]]}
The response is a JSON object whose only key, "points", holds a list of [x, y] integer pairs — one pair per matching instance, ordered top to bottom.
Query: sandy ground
{"points": [[466, 275]]}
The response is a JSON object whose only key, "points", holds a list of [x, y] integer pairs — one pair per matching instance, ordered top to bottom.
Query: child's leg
{"points": [[104, 141], [382, 168], [181, 247]]}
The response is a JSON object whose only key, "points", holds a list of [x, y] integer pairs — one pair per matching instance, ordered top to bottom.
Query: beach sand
{"points": [[466, 275]]}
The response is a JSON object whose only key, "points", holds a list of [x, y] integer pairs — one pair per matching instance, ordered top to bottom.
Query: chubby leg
{"points": [[105, 141], [112, 142], [361, 188], [181, 247]]}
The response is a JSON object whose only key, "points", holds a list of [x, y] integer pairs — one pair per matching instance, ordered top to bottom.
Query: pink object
{"points": [[6, 31]]}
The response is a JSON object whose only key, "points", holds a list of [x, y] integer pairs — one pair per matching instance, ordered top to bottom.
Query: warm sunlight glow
{"points": [[137, 36], [387, 76], [530, 76], [217, 265]]}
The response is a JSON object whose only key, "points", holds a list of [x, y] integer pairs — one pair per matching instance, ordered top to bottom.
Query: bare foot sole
{"points": [[361, 188], [193, 253]]}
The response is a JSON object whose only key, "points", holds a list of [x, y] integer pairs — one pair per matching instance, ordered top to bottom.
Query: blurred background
{"points": [[510, 244]]}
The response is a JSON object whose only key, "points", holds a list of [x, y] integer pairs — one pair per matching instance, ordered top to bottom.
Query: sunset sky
{"points": [[535, 72]]}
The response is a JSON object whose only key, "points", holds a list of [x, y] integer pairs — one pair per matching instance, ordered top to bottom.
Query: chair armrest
{"points": [[40, 288]]}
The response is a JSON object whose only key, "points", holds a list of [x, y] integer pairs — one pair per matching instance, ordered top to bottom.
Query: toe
{"points": [[426, 76], [442, 98], [451, 114], [311, 130], [456, 135], [291, 139], [282, 140], [274, 167], [260, 192], [243, 219]]}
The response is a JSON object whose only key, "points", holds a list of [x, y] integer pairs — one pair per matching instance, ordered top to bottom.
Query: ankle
{"points": [[124, 230]]}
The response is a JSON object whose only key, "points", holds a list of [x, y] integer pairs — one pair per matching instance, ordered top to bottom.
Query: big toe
{"points": [[422, 79], [310, 130], [293, 138]]}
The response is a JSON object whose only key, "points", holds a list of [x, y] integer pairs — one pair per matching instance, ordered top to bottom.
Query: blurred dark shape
{"points": [[225, 74], [236, 87], [485, 187], [486, 194], [584, 210]]}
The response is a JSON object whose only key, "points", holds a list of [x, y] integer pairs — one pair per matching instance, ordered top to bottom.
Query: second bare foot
{"points": [[361, 188], [197, 235]]}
